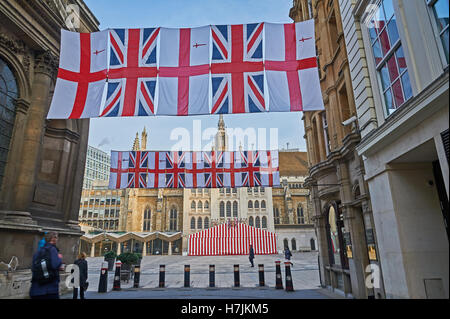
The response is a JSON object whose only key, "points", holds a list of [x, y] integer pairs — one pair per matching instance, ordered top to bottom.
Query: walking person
{"points": [[251, 255], [288, 255], [82, 264], [45, 269]]}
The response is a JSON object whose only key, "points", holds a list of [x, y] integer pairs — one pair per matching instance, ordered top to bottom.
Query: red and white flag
{"points": [[291, 67], [184, 71], [80, 86], [118, 176]]}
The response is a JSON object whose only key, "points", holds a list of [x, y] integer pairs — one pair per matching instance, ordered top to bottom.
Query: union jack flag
{"points": [[237, 69], [132, 73], [176, 164], [215, 164], [248, 164], [137, 169]]}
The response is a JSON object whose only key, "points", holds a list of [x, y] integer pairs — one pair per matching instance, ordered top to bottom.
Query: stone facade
{"points": [[403, 141], [42, 161], [341, 207]]}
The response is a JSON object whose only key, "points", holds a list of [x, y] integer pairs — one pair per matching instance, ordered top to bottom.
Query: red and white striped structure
{"points": [[231, 240]]}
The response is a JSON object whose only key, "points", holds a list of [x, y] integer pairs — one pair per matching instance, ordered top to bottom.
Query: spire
{"points": [[221, 124], [144, 140], [136, 143]]}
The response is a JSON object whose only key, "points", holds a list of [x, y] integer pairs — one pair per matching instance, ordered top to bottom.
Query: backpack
{"points": [[41, 268]]}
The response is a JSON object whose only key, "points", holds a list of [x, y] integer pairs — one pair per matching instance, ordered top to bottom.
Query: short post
{"points": [[187, 271], [137, 275], [162, 275], [261, 275], [236, 276], [212, 277], [278, 279], [103, 283], [116, 285], [289, 285]]}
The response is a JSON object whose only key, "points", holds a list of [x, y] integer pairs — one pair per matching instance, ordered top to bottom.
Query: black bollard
{"points": [[187, 271], [137, 275], [162, 275], [261, 275], [236, 276], [212, 277], [278, 279], [103, 283], [116, 285], [289, 285]]}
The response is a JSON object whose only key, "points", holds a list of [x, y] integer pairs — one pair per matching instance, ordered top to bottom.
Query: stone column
{"points": [[45, 68], [118, 248], [170, 248], [92, 249], [144, 249]]}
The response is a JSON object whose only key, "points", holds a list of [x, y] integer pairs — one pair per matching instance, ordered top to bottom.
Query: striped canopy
{"points": [[228, 239]]}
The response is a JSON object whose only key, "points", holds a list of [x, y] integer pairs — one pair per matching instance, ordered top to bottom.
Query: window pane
{"points": [[388, 9], [441, 9], [379, 20], [372, 31], [393, 31], [445, 39], [385, 46], [377, 52], [401, 59], [392, 66], [385, 77], [406, 86], [398, 93], [388, 100]]}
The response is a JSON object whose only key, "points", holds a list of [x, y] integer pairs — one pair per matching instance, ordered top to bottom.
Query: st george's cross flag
{"points": [[291, 67], [237, 69], [184, 71], [132, 73], [81, 80]]}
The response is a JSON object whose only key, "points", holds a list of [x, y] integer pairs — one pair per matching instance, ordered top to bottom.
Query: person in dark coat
{"points": [[251, 255], [288, 255], [83, 267], [48, 290]]}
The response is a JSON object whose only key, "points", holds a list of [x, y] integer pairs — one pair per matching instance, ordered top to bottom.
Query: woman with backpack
{"points": [[83, 267], [45, 270]]}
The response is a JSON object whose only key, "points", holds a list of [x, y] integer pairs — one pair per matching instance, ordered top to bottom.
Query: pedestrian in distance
{"points": [[251, 255], [288, 255], [82, 264], [45, 269]]}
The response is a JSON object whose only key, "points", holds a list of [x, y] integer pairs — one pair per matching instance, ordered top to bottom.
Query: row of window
{"points": [[100, 201], [200, 205], [107, 213], [300, 216], [173, 219], [259, 222], [200, 224], [106, 225]]}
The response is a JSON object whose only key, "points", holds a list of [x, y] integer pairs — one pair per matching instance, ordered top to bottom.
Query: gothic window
{"points": [[8, 94], [228, 190], [250, 204], [257, 204], [263, 204], [193, 205], [200, 205], [206, 205], [222, 209], [228, 209], [235, 209], [276, 215], [300, 215], [173, 217], [147, 219], [250, 221], [257, 222], [264, 222], [192, 223], [199, 223], [206, 223], [286, 243], [294, 244]]}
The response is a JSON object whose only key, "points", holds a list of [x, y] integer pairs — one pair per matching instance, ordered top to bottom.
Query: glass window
{"points": [[441, 14], [389, 57], [206, 204], [250, 204], [256, 204], [263, 204], [193, 205], [200, 205], [222, 209], [228, 209], [235, 209], [276, 215], [300, 215], [173, 219], [250, 221], [264, 222], [192, 223], [199, 223], [206, 223]]}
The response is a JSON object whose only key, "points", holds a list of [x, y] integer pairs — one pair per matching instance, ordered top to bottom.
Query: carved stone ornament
{"points": [[15, 46], [46, 63]]}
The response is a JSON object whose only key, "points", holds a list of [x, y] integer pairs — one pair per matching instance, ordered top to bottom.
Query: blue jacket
{"points": [[52, 287]]}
